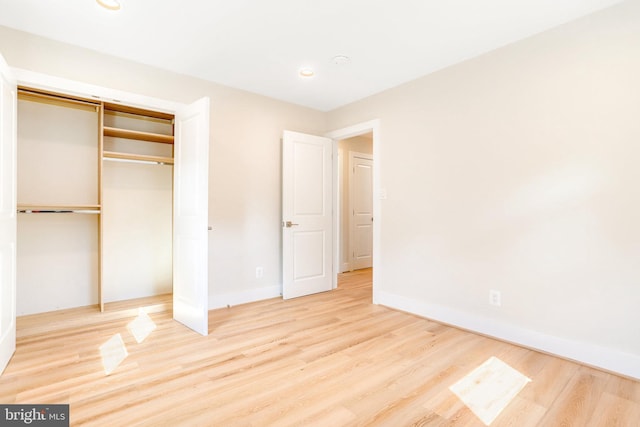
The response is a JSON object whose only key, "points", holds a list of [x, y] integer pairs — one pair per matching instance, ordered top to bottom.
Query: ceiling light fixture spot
{"points": [[109, 4], [341, 59], [306, 72]]}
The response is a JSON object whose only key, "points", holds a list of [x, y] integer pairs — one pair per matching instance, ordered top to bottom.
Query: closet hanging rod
{"points": [[138, 135], [140, 161], [53, 207], [58, 211]]}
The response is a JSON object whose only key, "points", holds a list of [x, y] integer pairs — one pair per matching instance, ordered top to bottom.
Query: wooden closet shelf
{"points": [[44, 96], [110, 108], [137, 135], [137, 157], [58, 208]]}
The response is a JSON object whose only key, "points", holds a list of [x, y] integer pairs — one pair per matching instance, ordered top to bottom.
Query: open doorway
{"points": [[371, 132], [355, 187], [311, 231], [357, 283]]}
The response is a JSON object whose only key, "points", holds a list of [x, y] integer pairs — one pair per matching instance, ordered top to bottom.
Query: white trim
{"points": [[7, 72], [84, 90], [355, 130], [348, 132], [339, 183], [336, 213], [345, 267], [244, 297], [593, 355]]}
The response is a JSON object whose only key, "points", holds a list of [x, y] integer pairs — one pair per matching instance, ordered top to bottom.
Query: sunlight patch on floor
{"points": [[141, 326], [113, 352], [489, 388]]}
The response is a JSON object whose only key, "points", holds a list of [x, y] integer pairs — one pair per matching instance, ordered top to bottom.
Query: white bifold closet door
{"points": [[8, 204], [190, 218]]}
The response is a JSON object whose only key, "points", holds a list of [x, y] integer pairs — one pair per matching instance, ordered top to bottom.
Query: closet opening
{"points": [[95, 202]]}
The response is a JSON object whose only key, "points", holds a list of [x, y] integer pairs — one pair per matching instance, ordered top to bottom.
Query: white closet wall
{"points": [[57, 153], [137, 214], [137, 251], [57, 253]]}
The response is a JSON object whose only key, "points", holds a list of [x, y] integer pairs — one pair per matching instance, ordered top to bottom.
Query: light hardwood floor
{"points": [[331, 359]]}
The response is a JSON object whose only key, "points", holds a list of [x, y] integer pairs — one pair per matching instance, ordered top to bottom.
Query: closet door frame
{"points": [[59, 85]]}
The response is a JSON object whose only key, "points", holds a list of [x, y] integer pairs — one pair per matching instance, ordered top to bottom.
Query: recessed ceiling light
{"points": [[109, 4], [341, 59], [306, 72]]}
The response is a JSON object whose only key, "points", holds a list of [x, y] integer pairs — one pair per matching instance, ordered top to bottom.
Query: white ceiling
{"points": [[260, 45]]}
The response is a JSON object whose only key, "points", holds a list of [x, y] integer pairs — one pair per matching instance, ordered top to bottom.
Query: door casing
{"points": [[379, 193]]}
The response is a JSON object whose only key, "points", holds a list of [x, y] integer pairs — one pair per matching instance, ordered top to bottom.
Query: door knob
{"points": [[290, 224]]}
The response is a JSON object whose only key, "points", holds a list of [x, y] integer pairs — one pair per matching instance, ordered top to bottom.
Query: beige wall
{"points": [[518, 171], [244, 198], [57, 260]]}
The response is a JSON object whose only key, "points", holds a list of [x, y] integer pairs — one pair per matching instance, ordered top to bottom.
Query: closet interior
{"points": [[95, 197]]}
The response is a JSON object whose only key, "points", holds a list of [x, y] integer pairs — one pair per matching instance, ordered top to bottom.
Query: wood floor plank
{"points": [[331, 359], [575, 404], [614, 411], [521, 412]]}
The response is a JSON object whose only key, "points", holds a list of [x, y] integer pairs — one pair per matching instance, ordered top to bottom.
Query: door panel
{"points": [[8, 111], [191, 195], [309, 197], [361, 200], [306, 206], [309, 255]]}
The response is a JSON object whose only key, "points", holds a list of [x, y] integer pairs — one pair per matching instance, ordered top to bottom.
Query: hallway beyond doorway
{"points": [[357, 280]]}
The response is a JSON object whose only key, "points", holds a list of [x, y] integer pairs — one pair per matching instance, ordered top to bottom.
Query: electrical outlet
{"points": [[259, 272], [495, 298]]}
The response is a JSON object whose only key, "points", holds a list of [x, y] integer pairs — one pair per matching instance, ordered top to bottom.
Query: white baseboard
{"points": [[345, 267], [244, 297], [626, 364]]}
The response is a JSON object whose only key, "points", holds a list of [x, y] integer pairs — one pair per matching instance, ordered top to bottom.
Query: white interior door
{"points": [[8, 108], [361, 204], [190, 217], [307, 236]]}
